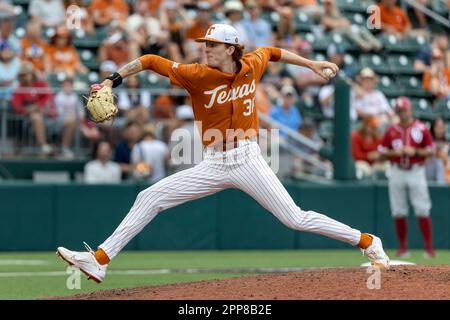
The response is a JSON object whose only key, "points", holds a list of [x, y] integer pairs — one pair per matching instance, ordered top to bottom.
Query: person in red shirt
{"points": [[34, 98], [365, 143], [407, 145]]}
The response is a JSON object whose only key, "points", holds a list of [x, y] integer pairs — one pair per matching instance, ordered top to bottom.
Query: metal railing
{"points": [[438, 18]]}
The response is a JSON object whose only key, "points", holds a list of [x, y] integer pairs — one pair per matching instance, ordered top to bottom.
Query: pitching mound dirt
{"points": [[400, 282]]}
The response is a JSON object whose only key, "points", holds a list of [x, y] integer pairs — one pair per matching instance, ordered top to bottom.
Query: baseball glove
{"points": [[100, 105]]}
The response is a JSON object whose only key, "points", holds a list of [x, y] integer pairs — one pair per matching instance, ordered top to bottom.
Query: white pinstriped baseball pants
{"points": [[242, 168]]}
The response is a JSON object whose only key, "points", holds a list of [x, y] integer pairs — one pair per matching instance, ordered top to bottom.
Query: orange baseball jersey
{"points": [[220, 100]]}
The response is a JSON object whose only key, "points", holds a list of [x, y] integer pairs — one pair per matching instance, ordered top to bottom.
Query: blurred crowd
{"points": [[138, 144]]}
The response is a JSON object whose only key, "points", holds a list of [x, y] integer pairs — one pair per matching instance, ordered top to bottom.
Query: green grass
{"points": [[41, 286]]}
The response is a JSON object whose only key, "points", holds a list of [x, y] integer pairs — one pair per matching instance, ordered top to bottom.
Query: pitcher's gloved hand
{"points": [[100, 105]]}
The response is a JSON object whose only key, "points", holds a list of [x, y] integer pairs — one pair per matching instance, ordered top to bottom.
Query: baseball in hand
{"points": [[328, 72]]}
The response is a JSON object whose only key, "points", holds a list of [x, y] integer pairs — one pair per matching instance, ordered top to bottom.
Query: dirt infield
{"points": [[400, 282]]}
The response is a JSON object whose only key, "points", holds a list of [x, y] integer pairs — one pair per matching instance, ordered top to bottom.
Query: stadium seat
{"points": [[353, 5], [440, 7], [271, 17], [357, 18], [302, 21], [85, 40], [319, 43], [418, 43], [395, 44], [89, 58], [352, 62], [375, 62], [402, 64], [151, 80], [412, 86], [389, 87], [444, 108], [422, 109], [310, 111], [326, 130]]}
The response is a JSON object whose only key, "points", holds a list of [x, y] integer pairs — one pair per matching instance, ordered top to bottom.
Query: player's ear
{"points": [[230, 50]]}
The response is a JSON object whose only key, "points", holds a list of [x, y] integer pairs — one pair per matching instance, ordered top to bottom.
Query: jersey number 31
{"points": [[250, 106]]}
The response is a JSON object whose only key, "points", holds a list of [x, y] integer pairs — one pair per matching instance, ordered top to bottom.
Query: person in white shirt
{"points": [[50, 13], [368, 101], [70, 111], [185, 145], [150, 157], [102, 169]]}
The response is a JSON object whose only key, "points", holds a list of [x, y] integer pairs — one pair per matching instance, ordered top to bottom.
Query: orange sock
{"points": [[365, 241], [101, 257]]}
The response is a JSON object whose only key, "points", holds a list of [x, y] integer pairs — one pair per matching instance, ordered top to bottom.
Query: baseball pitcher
{"points": [[223, 100]]}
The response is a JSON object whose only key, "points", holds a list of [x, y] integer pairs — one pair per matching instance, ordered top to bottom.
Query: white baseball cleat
{"points": [[376, 254], [85, 261]]}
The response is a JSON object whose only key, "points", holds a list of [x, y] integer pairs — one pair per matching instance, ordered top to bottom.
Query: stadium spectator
{"points": [[310, 7], [6, 9], [233, 10], [106, 11], [51, 13], [420, 15], [175, 19], [394, 19], [333, 21], [201, 22], [7, 27], [200, 27], [145, 29], [258, 30], [285, 33], [34, 47], [118, 47], [336, 54], [62, 55], [423, 58], [107, 68], [9, 70], [305, 79], [436, 80], [34, 98], [326, 101], [368, 101], [134, 102], [69, 109], [285, 111], [309, 130], [131, 134], [365, 141], [185, 144], [407, 145], [150, 157], [435, 167], [102, 169]]}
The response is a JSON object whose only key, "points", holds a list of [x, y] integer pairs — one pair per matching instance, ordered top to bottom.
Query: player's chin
{"points": [[211, 63]]}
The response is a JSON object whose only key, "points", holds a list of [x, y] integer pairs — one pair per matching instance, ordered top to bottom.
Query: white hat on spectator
{"points": [[203, 5], [233, 5], [222, 33], [108, 66], [285, 90], [185, 112]]}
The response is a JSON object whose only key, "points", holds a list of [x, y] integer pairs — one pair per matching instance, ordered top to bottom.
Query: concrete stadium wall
{"points": [[44, 216]]}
